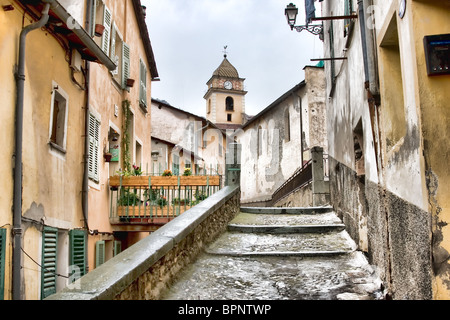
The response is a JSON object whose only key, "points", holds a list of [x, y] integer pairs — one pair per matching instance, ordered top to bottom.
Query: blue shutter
{"points": [[49, 261]]}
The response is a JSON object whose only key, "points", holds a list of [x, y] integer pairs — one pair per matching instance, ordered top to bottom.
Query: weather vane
{"points": [[225, 51]]}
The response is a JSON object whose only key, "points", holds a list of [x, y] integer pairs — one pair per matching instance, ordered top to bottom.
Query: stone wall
{"points": [[301, 197], [395, 234], [144, 270]]}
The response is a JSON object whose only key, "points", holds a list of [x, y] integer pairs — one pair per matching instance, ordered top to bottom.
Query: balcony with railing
{"points": [[154, 200]]}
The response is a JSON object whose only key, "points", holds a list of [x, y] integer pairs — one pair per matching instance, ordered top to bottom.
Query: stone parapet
{"points": [[145, 269]]}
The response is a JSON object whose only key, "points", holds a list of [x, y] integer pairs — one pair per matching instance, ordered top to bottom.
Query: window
{"points": [[120, 54], [143, 84], [229, 102], [229, 117], [58, 118], [287, 126], [259, 140], [94, 146], [176, 165], [117, 247], [99, 253], [77, 254], [2, 261], [49, 261]]}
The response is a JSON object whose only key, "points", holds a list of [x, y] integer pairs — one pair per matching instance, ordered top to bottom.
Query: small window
{"points": [[143, 85], [229, 102], [229, 117], [58, 119], [287, 126], [259, 140], [175, 165]]}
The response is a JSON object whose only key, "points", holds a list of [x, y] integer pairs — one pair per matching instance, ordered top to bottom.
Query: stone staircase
{"points": [[280, 253]]}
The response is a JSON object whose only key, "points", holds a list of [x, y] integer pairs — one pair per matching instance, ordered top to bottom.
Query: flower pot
{"points": [[99, 28], [130, 82], [108, 157]]}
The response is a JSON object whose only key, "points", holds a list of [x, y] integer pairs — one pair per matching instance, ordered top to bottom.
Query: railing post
{"points": [[233, 165], [320, 189]]}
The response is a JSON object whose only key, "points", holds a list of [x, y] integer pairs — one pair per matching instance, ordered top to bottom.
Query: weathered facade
{"points": [[44, 94], [119, 119], [57, 120], [386, 132], [276, 142], [197, 143]]}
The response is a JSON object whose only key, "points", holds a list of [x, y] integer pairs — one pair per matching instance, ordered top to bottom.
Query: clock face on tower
{"points": [[228, 85]]}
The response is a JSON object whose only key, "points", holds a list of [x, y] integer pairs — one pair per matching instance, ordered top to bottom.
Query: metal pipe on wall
{"points": [[17, 202]]}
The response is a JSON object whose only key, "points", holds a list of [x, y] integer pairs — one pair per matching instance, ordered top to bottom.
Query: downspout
{"points": [[17, 202]]}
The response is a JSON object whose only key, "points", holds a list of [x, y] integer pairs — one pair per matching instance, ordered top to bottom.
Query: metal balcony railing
{"points": [[157, 199]]}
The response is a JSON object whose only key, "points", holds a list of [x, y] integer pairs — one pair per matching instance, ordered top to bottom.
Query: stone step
{"points": [[294, 210], [246, 219], [286, 229], [296, 244]]}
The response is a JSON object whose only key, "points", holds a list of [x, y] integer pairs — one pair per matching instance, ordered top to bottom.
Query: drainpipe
{"points": [[17, 202]]}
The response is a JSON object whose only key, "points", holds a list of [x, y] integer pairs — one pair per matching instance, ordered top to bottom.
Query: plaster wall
{"points": [[105, 95], [52, 179]]}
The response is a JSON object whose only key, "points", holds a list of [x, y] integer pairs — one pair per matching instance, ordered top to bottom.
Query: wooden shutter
{"points": [[107, 20], [125, 64], [143, 84], [94, 143], [117, 247], [99, 253], [77, 254], [49, 261], [2, 262]]}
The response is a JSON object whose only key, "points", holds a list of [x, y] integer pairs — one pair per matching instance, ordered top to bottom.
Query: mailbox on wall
{"points": [[437, 54]]}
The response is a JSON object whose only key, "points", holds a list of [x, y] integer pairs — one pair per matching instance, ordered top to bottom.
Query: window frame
{"points": [[54, 137]]}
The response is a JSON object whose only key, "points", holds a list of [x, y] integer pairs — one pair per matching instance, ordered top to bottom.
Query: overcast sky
{"points": [[188, 39]]}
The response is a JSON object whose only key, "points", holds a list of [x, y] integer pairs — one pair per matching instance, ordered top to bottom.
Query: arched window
{"points": [[229, 103], [287, 125]]}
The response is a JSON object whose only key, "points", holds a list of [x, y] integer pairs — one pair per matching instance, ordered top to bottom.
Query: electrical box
{"points": [[437, 54]]}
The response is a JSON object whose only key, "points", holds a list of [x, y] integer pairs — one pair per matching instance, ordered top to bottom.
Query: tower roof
{"points": [[226, 69]]}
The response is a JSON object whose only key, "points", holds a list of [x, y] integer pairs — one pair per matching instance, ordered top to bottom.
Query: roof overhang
{"points": [[63, 25]]}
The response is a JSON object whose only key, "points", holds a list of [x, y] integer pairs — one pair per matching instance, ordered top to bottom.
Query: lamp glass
{"points": [[291, 13]]}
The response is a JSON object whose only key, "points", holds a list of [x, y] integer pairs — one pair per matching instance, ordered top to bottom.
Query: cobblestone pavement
{"points": [[283, 262]]}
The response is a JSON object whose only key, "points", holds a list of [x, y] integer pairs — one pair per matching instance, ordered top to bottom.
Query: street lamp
{"points": [[291, 13]]}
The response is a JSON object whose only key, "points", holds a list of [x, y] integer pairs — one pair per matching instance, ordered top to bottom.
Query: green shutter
{"points": [[107, 19], [125, 64], [94, 143], [117, 247], [99, 253], [77, 254], [49, 261], [2, 262]]}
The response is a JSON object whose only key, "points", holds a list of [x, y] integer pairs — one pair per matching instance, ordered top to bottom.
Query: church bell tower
{"points": [[225, 98]]}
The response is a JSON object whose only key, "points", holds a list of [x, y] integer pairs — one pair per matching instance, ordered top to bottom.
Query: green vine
{"points": [[126, 104]]}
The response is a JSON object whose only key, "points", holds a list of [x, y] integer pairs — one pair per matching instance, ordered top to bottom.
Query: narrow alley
{"points": [[280, 254]]}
